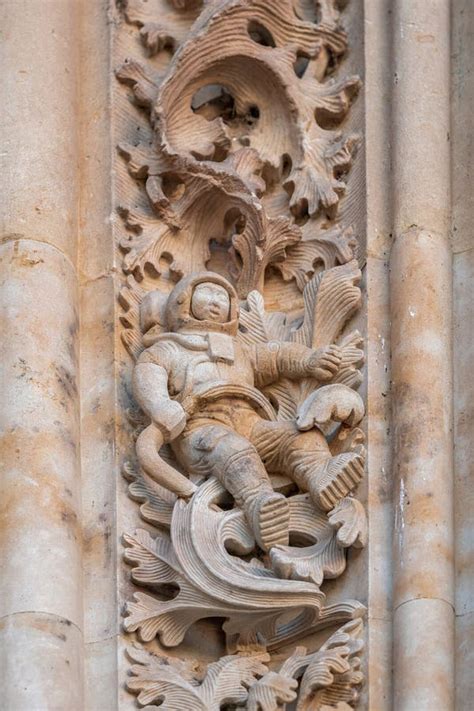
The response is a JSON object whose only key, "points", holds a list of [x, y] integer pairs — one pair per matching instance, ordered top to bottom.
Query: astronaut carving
{"points": [[199, 384]]}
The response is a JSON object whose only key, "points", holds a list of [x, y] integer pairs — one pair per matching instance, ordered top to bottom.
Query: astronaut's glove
{"points": [[324, 363], [170, 419]]}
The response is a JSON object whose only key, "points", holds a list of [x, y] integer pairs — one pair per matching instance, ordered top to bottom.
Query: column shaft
{"points": [[421, 307], [40, 529]]}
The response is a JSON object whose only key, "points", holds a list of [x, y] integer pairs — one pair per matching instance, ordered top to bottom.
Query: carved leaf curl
{"points": [[162, 26], [202, 61], [211, 201], [317, 248], [330, 299], [260, 326], [156, 502], [349, 519], [324, 559], [154, 560], [213, 583], [330, 676], [333, 677], [173, 684], [271, 693]]}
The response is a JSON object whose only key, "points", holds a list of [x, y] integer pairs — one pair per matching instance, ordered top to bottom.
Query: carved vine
{"points": [[239, 185]]}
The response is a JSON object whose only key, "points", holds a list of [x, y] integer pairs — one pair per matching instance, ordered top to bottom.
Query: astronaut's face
{"points": [[210, 302]]}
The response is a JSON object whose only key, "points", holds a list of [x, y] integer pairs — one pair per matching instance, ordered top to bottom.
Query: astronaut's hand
{"points": [[324, 363], [171, 420]]}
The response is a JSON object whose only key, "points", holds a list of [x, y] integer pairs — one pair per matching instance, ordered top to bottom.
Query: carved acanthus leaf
{"points": [[140, 12], [266, 37], [143, 81], [332, 99], [280, 234], [146, 241], [317, 248], [130, 298], [330, 299], [260, 326], [156, 502], [349, 519], [324, 558], [153, 559], [213, 583], [330, 678], [228, 679], [176, 685], [271, 693]]}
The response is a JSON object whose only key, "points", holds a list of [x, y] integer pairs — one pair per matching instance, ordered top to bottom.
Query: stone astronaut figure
{"points": [[199, 385]]}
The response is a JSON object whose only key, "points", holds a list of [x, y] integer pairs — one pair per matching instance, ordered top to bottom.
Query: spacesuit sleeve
{"points": [[160, 354], [277, 359], [150, 381]]}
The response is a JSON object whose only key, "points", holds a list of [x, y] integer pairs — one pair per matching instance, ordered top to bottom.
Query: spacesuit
{"points": [[201, 387]]}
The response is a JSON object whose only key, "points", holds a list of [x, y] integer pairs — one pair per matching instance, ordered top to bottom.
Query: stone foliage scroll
{"points": [[241, 283]]}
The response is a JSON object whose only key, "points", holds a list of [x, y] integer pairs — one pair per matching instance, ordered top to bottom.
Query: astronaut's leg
{"points": [[217, 450], [305, 457]]}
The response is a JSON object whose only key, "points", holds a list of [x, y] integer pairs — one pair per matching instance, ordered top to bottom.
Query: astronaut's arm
{"points": [[293, 360], [150, 387]]}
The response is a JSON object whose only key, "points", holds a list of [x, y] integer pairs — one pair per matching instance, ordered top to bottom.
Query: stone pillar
{"points": [[377, 87], [462, 176], [421, 303], [40, 532]]}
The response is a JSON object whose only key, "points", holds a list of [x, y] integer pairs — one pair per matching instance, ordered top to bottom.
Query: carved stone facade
{"points": [[236, 270], [241, 282]]}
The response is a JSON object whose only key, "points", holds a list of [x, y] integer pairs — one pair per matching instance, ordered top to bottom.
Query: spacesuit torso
{"points": [[190, 363], [222, 374]]}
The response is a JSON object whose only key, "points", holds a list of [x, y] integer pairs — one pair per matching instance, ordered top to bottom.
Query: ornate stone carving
{"points": [[240, 283], [201, 558], [329, 677]]}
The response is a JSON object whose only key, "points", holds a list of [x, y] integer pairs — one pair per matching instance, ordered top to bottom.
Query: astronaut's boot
{"points": [[330, 479], [267, 511]]}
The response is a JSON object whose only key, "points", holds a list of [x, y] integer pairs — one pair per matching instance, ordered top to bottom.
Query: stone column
{"points": [[377, 88], [462, 177], [421, 304], [40, 532]]}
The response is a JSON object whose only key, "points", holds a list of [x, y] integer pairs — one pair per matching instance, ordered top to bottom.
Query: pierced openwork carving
{"points": [[240, 285]]}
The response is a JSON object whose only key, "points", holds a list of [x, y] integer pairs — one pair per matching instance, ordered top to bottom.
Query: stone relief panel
{"points": [[241, 284]]}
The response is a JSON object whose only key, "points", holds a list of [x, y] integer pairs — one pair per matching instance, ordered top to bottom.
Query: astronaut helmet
{"points": [[194, 305]]}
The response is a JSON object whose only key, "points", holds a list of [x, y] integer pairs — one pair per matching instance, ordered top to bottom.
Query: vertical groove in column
{"points": [[377, 85], [462, 178], [421, 311], [99, 472], [40, 513]]}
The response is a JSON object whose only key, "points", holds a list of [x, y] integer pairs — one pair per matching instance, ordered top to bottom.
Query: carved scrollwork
{"points": [[240, 286], [216, 583], [328, 679]]}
